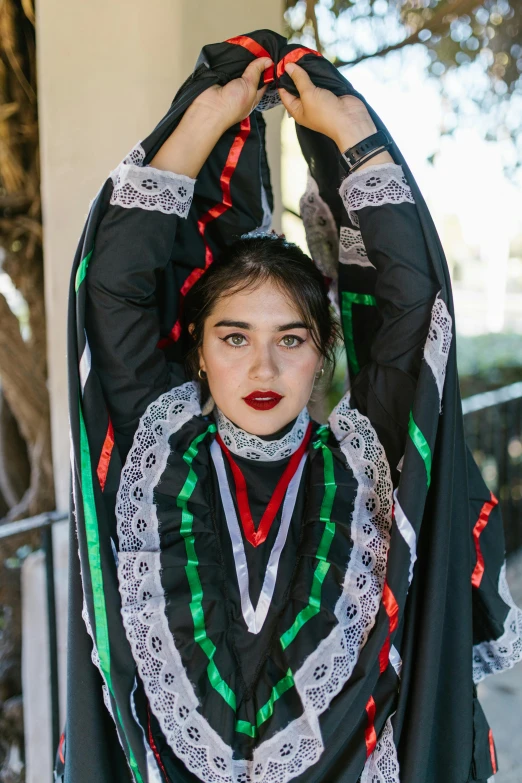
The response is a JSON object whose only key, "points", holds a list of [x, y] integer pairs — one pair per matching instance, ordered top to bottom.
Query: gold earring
{"points": [[320, 374], [200, 375]]}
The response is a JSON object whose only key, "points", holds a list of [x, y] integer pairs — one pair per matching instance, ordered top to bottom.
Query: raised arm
{"points": [[380, 205], [388, 236], [134, 245]]}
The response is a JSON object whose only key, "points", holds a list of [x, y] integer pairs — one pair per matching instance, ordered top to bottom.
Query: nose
{"points": [[264, 365]]}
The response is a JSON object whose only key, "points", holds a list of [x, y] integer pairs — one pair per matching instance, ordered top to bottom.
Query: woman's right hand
{"points": [[226, 105], [207, 118]]}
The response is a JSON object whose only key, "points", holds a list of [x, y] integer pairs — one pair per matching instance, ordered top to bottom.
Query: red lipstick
{"points": [[263, 400]]}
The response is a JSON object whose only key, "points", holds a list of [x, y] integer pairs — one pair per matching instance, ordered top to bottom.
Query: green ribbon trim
{"points": [[81, 271], [348, 299], [421, 445], [191, 570], [314, 601], [101, 631], [267, 710], [244, 727]]}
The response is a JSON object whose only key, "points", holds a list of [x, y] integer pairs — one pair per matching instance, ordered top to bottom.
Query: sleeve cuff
{"points": [[382, 183], [146, 187]]}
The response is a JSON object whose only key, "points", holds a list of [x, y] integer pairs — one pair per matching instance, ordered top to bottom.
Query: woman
{"points": [[245, 569]]}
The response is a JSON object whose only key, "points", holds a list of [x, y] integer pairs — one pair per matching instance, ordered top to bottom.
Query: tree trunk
{"points": [[26, 480]]}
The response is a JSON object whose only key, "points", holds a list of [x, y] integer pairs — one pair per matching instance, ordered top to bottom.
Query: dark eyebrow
{"points": [[237, 324], [245, 325], [292, 325]]}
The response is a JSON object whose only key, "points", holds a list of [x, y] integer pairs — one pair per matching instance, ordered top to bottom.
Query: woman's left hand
{"points": [[344, 119]]}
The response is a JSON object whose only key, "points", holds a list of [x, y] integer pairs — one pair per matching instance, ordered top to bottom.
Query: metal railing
{"points": [[493, 426], [44, 523]]}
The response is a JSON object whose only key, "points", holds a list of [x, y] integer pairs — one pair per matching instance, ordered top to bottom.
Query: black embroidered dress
{"points": [[346, 646]]}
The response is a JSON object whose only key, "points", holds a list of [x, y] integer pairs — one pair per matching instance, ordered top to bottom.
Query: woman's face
{"points": [[255, 343]]}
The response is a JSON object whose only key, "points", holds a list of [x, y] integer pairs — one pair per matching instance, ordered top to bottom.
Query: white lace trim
{"points": [[270, 99], [136, 156], [381, 183], [136, 185], [152, 189], [321, 235], [351, 248], [438, 343], [244, 444], [135, 509], [502, 653], [299, 745], [382, 766]]}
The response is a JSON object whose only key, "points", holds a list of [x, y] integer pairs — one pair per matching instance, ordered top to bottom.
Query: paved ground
{"points": [[501, 699]]}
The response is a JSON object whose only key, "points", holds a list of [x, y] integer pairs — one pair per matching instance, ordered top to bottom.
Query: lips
{"points": [[263, 400]]}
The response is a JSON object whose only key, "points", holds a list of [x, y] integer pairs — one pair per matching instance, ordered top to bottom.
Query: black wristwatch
{"points": [[355, 156]]}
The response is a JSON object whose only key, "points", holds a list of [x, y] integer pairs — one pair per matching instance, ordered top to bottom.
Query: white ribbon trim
{"points": [[406, 530], [255, 619]]}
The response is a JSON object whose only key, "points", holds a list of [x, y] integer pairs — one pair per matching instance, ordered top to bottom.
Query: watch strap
{"points": [[355, 156]]}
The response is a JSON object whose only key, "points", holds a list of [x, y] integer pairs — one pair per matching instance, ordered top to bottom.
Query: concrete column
{"points": [[107, 73], [39, 755]]}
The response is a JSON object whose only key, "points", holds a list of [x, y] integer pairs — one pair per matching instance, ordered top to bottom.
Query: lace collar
{"points": [[244, 444]]}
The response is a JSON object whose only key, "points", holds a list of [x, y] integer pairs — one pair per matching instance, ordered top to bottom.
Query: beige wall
{"points": [[107, 72]]}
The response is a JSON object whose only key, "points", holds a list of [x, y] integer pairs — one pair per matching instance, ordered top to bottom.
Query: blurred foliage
{"points": [[482, 38], [485, 362]]}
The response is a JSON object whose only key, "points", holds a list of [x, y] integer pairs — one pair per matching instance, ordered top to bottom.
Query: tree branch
{"points": [[437, 24], [24, 386]]}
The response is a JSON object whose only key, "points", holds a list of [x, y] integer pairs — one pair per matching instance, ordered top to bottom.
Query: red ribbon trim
{"points": [[257, 50], [293, 57], [213, 213], [105, 456], [480, 524], [253, 536], [392, 610], [384, 655], [369, 734], [60, 748], [154, 748], [492, 752]]}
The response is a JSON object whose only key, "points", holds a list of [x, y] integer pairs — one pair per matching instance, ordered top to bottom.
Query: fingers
{"points": [[253, 71], [299, 77], [290, 102]]}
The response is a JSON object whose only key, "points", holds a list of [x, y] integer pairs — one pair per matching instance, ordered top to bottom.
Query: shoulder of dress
{"points": [[176, 405], [165, 415], [360, 445], [147, 459]]}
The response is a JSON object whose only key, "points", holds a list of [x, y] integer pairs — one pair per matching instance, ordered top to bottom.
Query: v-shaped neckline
{"points": [[257, 536], [255, 618]]}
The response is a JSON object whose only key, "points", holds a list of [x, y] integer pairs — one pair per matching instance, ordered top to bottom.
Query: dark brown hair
{"points": [[248, 263]]}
